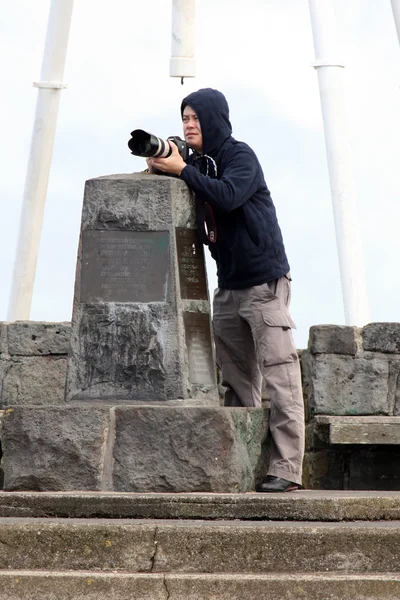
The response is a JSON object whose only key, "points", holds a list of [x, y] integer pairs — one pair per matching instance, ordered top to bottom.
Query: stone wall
{"points": [[33, 363], [347, 371], [352, 372]]}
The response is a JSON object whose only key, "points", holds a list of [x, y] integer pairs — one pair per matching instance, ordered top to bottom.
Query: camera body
{"points": [[146, 144]]}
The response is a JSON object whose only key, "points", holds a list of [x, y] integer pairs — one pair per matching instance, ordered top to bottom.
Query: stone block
{"points": [[382, 337], [3, 338], [30, 338], [332, 339], [32, 380], [336, 385], [54, 448], [165, 449]]}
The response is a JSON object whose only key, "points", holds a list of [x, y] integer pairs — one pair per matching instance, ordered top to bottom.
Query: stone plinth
{"points": [[141, 317], [134, 448]]}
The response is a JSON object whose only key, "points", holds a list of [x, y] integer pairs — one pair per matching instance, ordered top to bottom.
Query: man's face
{"points": [[192, 129]]}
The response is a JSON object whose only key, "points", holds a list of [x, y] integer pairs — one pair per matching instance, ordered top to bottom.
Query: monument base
{"points": [[134, 448]]}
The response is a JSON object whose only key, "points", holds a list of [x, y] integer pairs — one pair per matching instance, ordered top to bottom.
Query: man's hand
{"points": [[174, 164]]}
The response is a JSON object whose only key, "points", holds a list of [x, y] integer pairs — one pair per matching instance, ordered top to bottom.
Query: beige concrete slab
{"points": [[302, 505]]}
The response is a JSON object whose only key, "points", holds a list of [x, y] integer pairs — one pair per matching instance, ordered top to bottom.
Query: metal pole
{"points": [[396, 14], [182, 63], [49, 92], [348, 238]]}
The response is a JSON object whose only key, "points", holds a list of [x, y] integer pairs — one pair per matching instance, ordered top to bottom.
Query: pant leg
{"points": [[267, 313], [235, 352]]}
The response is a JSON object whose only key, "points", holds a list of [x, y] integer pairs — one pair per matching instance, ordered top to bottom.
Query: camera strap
{"points": [[204, 212], [210, 227]]}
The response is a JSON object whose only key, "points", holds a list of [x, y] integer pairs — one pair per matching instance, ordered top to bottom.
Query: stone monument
{"points": [[141, 317], [141, 411]]}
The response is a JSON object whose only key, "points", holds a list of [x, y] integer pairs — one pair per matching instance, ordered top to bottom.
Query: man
{"points": [[252, 324]]}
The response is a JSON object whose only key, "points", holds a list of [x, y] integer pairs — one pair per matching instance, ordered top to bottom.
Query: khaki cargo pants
{"points": [[253, 340]]}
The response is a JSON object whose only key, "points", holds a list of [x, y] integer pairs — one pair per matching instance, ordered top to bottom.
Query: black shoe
{"points": [[277, 484]]}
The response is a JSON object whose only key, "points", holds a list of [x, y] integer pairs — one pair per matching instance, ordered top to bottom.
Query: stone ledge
{"points": [[357, 430], [304, 505], [183, 546], [94, 585]]}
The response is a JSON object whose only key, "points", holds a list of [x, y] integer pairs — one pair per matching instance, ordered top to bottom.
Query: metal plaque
{"points": [[124, 266], [192, 272], [198, 342]]}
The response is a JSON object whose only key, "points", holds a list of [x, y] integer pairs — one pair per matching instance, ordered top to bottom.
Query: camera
{"points": [[146, 144]]}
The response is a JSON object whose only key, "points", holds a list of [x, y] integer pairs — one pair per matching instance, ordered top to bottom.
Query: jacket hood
{"points": [[212, 111]]}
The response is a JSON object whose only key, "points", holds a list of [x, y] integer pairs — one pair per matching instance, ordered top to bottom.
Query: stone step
{"points": [[301, 506], [158, 546], [31, 585]]}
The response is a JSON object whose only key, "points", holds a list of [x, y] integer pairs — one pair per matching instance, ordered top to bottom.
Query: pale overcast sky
{"points": [[258, 53]]}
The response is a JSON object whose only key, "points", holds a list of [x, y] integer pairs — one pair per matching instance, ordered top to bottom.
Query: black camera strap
{"points": [[204, 212], [210, 227]]}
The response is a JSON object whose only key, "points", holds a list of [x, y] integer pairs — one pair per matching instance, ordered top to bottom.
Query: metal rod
{"points": [[330, 72], [49, 92]]}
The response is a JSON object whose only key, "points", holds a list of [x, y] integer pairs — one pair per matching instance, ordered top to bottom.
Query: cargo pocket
{"points": [[278, 318], [276, 345]]}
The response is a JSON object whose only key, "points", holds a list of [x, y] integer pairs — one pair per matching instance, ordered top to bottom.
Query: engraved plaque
{"points": [[124, 266], [192, 273], [198, 342]]}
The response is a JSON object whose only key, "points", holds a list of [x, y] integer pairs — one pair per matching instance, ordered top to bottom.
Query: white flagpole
{"points": [[396, 14], [182, 63], [49, 92], [348, 237]]}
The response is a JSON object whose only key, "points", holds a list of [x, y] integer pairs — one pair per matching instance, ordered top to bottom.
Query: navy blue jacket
{"points": [[249, 249]]}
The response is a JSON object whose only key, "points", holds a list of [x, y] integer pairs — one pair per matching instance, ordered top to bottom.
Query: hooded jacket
{"points": [[249, 248]]}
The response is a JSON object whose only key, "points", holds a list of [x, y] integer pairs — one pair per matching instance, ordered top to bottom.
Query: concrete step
{"points": [[302, 506], [156, 546], [31, 585]]}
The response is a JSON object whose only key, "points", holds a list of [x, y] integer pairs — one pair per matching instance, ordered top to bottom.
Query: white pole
{"points": [[396, 14], [182, 63], [49, 92], [348, 238]]}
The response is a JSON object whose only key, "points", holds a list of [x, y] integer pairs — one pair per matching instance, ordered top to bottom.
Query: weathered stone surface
{"points": [[382, 337], [3, 338], [30, 338], [128, 339], [332, 339], [123, 353], [32, 380], [336, 385], [360, 430], [54, 448], [188, 449], [324, 470], [305, 505], [68, 544], [199, 547], [89, 585], [92, 585], [293, 586]]}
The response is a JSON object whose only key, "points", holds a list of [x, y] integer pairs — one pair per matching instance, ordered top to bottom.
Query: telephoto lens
{"points": [[146, 144]]}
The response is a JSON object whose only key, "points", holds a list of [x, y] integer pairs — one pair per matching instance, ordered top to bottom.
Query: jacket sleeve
{"points": [[239, 181]]}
